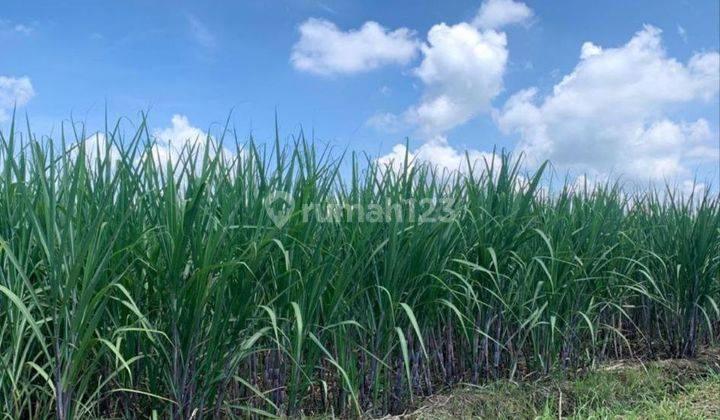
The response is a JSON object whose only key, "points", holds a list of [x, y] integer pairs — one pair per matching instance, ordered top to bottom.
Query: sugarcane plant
{"points": [[231, 278]]}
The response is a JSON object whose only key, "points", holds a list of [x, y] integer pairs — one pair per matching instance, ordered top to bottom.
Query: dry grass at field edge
{"points": [[625, 388]]}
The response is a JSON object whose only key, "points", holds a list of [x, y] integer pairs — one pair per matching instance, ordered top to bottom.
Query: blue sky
{"points": [[641, 97]]}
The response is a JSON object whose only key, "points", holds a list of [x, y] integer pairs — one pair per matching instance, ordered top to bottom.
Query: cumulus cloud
{"points": [[494, 14], [324, 49], [462, 68], [462, 71], [14, 92], [611, 113], [180, 132], [173, 141], [170, 144], [439, 154]]}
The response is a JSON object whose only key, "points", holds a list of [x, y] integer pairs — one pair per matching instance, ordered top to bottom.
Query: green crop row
{"points": [[133, 285]]}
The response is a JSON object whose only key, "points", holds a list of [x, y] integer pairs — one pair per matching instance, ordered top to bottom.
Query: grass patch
{"points": [[629, 389], [697, 400]]}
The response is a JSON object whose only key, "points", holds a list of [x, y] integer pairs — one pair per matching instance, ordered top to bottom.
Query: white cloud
{"points": [[494, 14], [10, 28], [23, 29], [325, 49], [589, 49], [462, 70], [14, 91], [610, 114], [386, 122], [698, 131], [180, 132], [172, 140], [176, 140], [170, 144], [96, 146], [703, 153], [439, 154], [395, 160], [585, 183], [690, 187]]}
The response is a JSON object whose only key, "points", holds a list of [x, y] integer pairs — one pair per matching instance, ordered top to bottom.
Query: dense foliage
{"points": [[133, 285]]}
